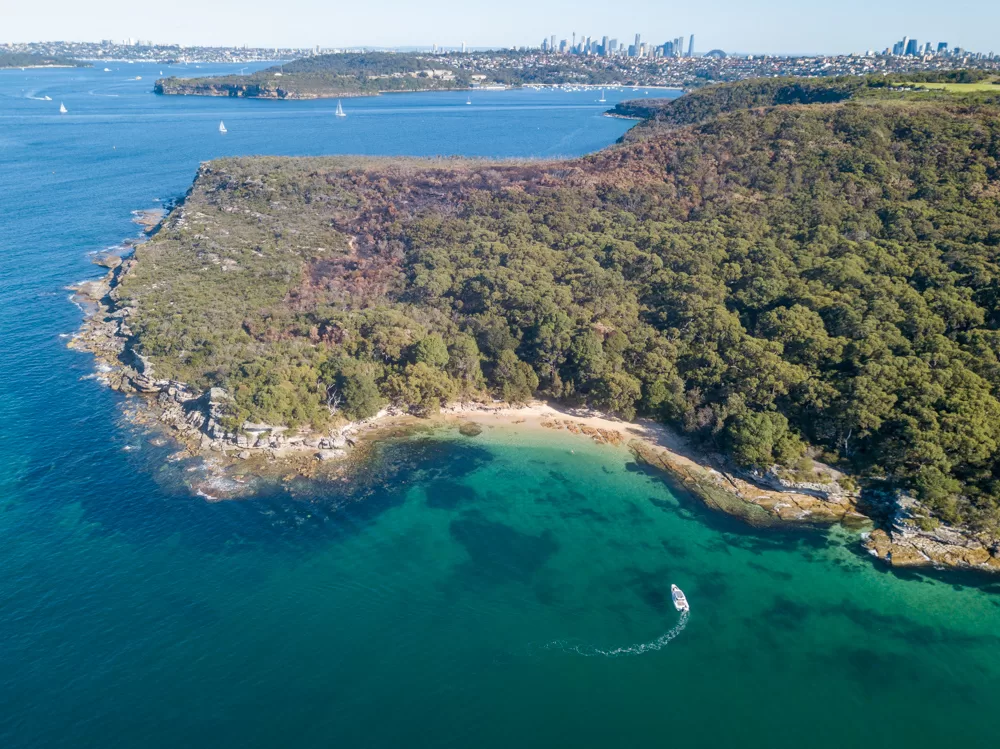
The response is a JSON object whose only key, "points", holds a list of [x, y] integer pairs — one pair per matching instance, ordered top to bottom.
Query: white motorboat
{"points": [[680, 600]]}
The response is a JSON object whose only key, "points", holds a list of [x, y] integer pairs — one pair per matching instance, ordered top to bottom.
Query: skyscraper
{"points": [[638, 40], [552, 43], [691, 46], [912, 48], [942, 48]]}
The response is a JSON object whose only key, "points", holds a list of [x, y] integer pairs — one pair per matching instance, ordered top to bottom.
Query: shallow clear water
{"points": [[461, 594]]}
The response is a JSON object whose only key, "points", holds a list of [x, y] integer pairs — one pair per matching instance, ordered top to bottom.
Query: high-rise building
{"points": [[638, 40], [552, 43], [612, 46], [691, 46], [463, 48], [912, 48], [927, 48], [942, 48]]}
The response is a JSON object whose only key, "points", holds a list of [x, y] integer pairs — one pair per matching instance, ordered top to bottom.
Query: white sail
{"points": [[602, 99], [62, 108], [340, 109], [222, 127]]}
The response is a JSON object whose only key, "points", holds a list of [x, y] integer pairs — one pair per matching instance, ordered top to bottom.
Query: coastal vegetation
{"points": [[29, 60], [369, 73], [326, 75], [772, 267]]}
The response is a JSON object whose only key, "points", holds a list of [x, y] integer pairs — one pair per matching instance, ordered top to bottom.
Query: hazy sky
{"points": [[733, 25]]}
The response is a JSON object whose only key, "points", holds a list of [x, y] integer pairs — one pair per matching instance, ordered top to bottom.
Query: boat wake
{"points": [[590, 651]]}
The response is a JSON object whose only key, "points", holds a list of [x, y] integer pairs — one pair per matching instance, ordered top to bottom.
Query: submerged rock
{"points": [[470, 429]]}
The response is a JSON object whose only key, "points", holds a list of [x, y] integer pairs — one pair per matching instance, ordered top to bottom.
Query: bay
{"points": [[507, 588]]}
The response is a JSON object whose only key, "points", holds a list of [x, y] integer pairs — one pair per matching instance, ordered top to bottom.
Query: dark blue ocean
{"points": [[507, 589]]}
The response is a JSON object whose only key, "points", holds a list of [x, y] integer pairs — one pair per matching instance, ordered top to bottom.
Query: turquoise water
{"points": [[462, 590]]}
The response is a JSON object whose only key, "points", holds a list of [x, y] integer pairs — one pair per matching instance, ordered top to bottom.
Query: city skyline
{"points": [[776, 27]]}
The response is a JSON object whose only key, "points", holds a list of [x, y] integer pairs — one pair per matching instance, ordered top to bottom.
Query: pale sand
{"points": [[537, 413], [709, 476]]}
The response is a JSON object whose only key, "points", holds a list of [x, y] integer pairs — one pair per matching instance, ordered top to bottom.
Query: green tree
{"points": [[431, 350], [515, 379], [421, 388]]}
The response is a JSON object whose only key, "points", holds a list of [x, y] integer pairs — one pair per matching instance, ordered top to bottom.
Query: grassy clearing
{"points": [[958, 88]]}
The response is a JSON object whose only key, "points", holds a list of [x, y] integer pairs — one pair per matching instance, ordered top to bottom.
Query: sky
{"points": [[775, 26]]}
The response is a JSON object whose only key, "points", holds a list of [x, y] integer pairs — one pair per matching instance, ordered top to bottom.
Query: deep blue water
{"points": [[453, 596]]}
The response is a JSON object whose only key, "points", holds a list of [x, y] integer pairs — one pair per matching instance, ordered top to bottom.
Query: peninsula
{"points": [[31, 60], [369, 73], [779, 269]]}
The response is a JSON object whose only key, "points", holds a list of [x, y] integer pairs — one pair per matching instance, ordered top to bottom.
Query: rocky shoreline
{"points": [[266, 91], [194, 420], [902, 542]]}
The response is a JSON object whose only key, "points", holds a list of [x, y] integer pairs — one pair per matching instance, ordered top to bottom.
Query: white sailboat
{"points": [[602, 99], [469, 100], [62, 108], [340, 110], [222, 127]]}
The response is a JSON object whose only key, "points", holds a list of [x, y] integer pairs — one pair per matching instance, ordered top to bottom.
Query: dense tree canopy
{"points": [[822, 274]]}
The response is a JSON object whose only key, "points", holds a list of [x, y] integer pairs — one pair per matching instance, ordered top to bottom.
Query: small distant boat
{"points": [[107, 70], [138, 77], [47, 98], [602, 99], [469, 100], [62, 108], [340, 110], [222, 127], [680, 600]]}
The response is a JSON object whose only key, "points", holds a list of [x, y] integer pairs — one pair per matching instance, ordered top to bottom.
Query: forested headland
{"points": [[27, 60], [370, 73], [327, 75], [770, 272]]}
